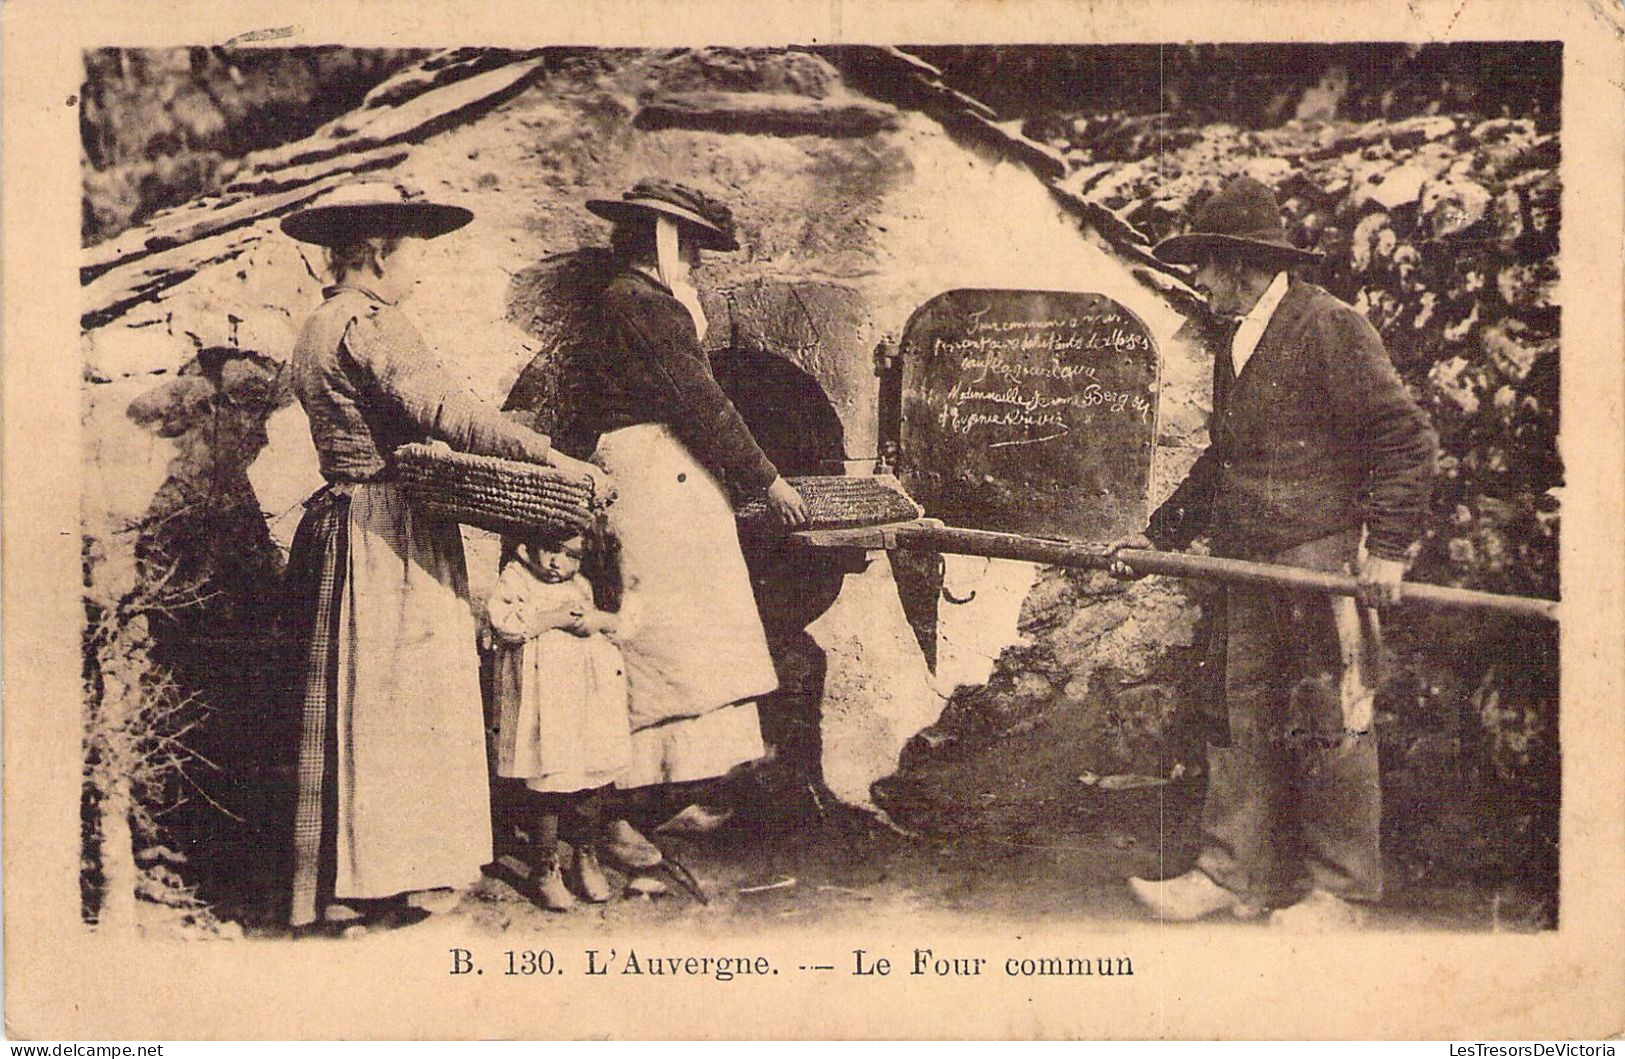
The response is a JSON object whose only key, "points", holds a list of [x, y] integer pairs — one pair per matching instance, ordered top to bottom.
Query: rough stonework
{"points": [[852, 212]]}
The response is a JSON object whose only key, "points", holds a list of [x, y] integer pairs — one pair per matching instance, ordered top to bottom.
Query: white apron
{"points": [[697, 657], [562, 701], [413, 793]]}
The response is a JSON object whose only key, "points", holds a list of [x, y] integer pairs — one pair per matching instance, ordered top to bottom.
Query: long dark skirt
{"points": [[313, 589]]}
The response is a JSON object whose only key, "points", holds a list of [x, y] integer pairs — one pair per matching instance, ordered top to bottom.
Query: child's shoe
{"points": [[587, 876], [547, 884]]}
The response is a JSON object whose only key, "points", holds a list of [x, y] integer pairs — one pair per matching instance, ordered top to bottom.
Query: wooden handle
{"points": [[923, 537]]}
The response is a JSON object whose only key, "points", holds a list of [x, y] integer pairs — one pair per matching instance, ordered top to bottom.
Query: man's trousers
{"points": [[1293, 797]]}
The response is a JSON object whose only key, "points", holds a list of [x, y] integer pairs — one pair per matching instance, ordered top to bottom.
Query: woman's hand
{"points": [[582, 469], [786, 503], [1134, 542]]}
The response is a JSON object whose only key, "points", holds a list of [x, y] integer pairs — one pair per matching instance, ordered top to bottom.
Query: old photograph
{"points": [[706, 491], [935, 720]]}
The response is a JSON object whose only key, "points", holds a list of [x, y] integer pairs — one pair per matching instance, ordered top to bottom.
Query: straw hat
{"points": [[361, 210], [1242, 215], [709, 221]]}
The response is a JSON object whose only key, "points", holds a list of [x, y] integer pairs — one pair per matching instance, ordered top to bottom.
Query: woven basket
{"points": [[506, 496], [838, 502]]}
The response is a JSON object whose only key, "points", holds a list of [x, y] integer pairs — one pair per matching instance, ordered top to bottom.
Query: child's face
{"points": [[558, 563]]}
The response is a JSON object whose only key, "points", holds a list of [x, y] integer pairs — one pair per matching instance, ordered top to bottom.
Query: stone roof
{"points": [[459, 86]]}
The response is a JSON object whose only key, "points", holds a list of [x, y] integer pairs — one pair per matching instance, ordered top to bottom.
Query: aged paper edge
{"points": [[1201, 982]]}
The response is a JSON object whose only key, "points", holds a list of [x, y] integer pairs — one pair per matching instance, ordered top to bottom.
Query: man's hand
{"points": [[786, 503], [1121, 570], [1380, 581]]}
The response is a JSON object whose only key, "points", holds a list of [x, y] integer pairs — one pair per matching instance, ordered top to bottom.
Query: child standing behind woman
{"points": [[562, 696]]}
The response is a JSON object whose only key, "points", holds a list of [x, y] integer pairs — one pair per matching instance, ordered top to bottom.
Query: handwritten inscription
{"points": [[1008, 370], [1027, 400], [1026, 408]]}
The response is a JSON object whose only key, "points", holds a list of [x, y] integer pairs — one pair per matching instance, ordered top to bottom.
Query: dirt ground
{"points": [[1009, 832], [1013, 834]]}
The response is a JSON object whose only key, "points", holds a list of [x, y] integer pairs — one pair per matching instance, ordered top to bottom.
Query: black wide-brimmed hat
{"points": [[365, 209], [1242, 215], [709, 221]]}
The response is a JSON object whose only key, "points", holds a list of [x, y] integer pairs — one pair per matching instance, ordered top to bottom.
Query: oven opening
{"points": [[796, 424]]}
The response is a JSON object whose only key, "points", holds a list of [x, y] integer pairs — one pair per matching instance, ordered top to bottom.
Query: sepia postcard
{"points": [[1016, 519]]}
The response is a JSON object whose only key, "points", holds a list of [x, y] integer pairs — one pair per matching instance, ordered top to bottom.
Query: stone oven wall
{"points": [[853, 212]]}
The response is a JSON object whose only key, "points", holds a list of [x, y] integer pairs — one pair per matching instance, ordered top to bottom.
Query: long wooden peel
{"points": [[927, 535]]}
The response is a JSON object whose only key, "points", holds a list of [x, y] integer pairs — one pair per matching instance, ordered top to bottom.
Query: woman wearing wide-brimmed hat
{"points": [[669, 436], [392, 799]]}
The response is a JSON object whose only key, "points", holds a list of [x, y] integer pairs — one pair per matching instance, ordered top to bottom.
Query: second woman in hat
{"points": [[669, 435]]}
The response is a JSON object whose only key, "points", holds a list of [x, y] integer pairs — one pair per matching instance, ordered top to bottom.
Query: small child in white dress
{"points": [[560, 687]]}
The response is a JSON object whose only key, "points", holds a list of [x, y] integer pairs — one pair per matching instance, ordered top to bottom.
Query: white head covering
{"points": [[667, 255]]}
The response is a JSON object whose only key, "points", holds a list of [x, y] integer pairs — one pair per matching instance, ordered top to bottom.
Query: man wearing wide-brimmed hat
{"points": [[1318, 458], [392, 798]]}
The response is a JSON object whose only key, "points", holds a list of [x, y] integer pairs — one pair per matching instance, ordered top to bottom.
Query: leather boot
{"points": [[547, 873]]}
